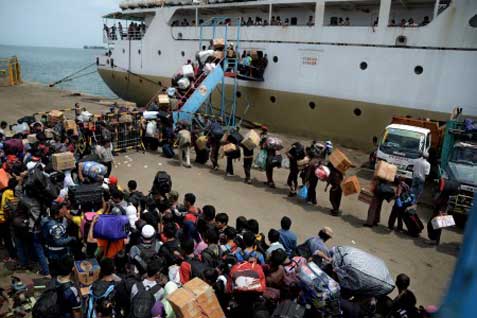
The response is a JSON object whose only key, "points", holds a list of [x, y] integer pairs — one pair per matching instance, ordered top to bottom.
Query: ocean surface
{"points": [[48, 64]]}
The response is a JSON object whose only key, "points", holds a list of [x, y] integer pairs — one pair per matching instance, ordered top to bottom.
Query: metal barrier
{"points": [[10, 71]]}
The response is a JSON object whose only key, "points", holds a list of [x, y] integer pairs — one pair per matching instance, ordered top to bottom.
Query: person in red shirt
{"points": [[192, 211], [190, 259]]}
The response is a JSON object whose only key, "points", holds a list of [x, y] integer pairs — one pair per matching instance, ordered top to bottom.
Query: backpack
{"points": [[27, 119], [216, 131], [297, 151], [162, 182], [137, 199], [147, 253], [212, 259], [197, 267], [248, 277], [122, 294], [101, 297], [143, 302], [49, 303]]}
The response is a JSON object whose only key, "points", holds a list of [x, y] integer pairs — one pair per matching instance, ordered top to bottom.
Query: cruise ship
{"points": [[336, 69]]}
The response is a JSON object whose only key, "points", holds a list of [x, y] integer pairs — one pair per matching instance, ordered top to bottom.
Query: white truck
{"points": [[405, 140]]}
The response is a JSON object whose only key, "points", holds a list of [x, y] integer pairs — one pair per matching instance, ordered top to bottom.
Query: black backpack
{"points": [[297, 151], [162, 182], [137, 199], [148, 253], [197, 267], [122, 295], [101, 298], [143, 302], [49, 303]]}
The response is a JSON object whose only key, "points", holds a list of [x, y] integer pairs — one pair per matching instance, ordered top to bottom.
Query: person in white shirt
{"points": [[105, 153], [421, 170], [274, 238]]}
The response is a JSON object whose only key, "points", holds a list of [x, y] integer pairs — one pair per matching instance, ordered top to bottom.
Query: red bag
{"points": [[248, 277]]}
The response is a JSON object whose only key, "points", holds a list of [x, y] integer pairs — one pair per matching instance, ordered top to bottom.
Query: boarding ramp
{"points": [[198, 94]]}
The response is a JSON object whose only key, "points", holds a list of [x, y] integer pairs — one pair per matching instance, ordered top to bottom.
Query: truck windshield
{"points": [[402, 142], [464, 155]]}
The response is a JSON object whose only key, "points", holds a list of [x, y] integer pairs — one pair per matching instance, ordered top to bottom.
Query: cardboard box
{"points": [[218, 43], [219, 54], [187, 70], [163, 99], [55, 116], [126, 118], [71, 125], [32, 138], [251, 140], [202, 142], [229, 147], [339, 160], [63, 161], [303, 162], [385, 171], [350, 185], [365, 196], [442, 221], [87, 271], [205, 298], [184, 304]]}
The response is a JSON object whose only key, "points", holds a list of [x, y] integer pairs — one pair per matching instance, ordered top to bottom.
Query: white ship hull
{"points": [[338, 82]]}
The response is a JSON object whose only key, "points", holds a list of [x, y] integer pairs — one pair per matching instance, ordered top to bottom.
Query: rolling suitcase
{"points": [[413, 222], [289, 309]]}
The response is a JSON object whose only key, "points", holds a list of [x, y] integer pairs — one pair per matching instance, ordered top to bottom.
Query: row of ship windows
{"points": [[363, 65]]}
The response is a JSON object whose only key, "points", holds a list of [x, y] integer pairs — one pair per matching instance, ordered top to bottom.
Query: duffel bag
{"points": [[111, 227], [248, 277], [319, 289]]}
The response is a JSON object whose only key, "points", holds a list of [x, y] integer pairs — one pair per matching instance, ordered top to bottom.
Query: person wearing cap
{"points": [[420, 171], [334, 180], [53, 229], [317, 244], [149, 246]]}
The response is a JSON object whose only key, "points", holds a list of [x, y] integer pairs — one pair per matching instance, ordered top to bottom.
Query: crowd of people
{"points": [[250, 21], [409, 22], [134, 31], [53, 218]]}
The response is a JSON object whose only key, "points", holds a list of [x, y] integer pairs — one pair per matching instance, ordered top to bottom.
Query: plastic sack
{"points": [[183, 83], [148, 115], [261, 160], [303, 192], [361, 273]]}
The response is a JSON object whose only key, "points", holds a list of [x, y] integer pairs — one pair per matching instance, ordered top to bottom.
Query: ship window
{"points": [[362, 13], [294, 21], [473, 21], [179, 35], [401, 40], [204, 47], [124, 51], [139, 51], [159, 52], [182, 53], [275, 59], [363, 65], [418, 70], [126, 78], [140, 80], [159, 83], [239, 94], [273, 99], [312, 105], [357, 112]]}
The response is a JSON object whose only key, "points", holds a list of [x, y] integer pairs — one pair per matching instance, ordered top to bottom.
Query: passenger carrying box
{"points": [[219, 54], [187, 70], [55, 116], [71, 125], [251, 140], [201, 142], [339, 160], [63, 161], [303, 162], [385, 171], [350, 185], [365, 196], [442, 221], [87, 271], [205, 297], [184, 304]]}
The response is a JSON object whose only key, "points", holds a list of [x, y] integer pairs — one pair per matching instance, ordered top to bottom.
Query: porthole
{"points": [[473, 21], [179, 35], [401, 40], [204, 47], [124, 51], [139, 51], [159, 52], [182, 53], [275, 59], [363, 65], [418, 70], [126, 78], [140, 80], [159, 83], [238, 94], [273, 99], [312, 105], [357, 112]]}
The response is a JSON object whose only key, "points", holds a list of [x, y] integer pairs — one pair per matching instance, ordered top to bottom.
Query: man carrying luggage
{"points": [[184, 137], [420, 171], [335, 179]]}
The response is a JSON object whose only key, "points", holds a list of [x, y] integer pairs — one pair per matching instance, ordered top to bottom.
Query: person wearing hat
{"points": [[335, 179], [317, 244], [142, 253]]}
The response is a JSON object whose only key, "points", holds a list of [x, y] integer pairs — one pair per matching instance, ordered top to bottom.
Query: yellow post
{"points": [[19, 73], [10, 75]]}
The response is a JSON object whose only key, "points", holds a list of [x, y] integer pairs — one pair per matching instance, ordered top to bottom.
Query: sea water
{"points": [[47, 65]]}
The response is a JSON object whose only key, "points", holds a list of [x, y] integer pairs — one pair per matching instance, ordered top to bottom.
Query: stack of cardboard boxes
{"points": [[339, 160], [196, 299]]}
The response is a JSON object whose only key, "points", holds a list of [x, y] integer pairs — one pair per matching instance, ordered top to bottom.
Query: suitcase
{"points": [[167, 151], [88, 196], [413, 222], [111, 227], [289, 309]]}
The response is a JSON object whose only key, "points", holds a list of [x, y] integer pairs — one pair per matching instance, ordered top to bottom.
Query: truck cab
{"points": [[402, 145]]}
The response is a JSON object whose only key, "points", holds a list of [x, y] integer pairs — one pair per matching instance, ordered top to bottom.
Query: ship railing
{"points": [[115, 35]]}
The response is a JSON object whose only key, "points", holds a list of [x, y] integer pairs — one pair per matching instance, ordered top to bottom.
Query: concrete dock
{"points": [[429, 267]]}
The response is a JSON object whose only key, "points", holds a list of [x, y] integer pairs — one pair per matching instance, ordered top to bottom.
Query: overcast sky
{"points": [[58, 23]]}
